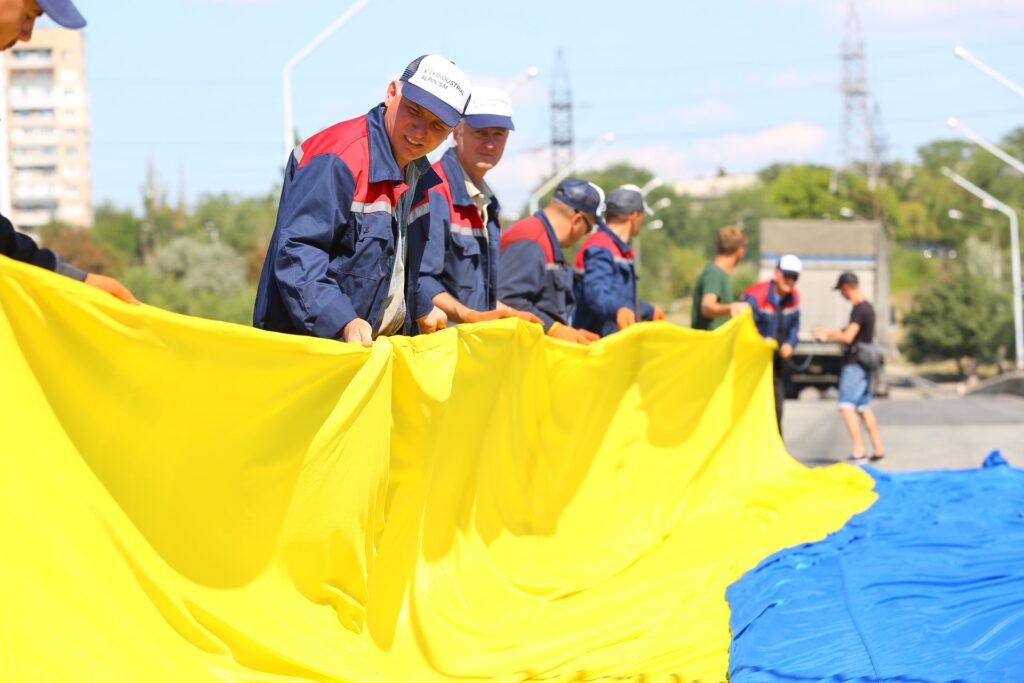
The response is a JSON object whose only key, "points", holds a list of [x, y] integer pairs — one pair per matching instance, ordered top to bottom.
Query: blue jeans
{"points": [[854, 388]]}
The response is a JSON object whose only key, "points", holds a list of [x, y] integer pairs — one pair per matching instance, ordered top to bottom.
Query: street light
{"points": [[961, 52], [286, 73], [520, 80], [605, 139], [985, 144], [650, 185], [990, 202], [662, 203], [656, 224]]}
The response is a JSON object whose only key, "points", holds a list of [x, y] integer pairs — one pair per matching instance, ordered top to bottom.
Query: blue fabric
{"points": [[327, 264], [465, 266], [854, 387], [926, 585]]}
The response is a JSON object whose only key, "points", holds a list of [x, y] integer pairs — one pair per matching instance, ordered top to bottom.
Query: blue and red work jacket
{"points": [[333, 250], [461, 255], [533, 274], [606, 281], [776, 317]]}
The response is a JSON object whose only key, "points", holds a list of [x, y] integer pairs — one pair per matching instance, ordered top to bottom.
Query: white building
{"points": [[45, 130]]}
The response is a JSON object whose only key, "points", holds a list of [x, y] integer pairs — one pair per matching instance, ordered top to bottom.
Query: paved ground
{"points": [[923, 427]]}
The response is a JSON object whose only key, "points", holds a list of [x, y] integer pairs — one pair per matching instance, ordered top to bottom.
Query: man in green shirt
{"points": [[712, 295]]}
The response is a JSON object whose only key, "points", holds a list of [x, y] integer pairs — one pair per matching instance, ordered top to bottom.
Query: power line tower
{"points": [[855, 107], [561, 115]]}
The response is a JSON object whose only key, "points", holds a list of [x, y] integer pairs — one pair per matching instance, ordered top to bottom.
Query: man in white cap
{"points": [[17, 19], [345, 256], [460, 263], [776, 307]]}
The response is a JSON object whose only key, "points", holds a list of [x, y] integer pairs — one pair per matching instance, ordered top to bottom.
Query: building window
{"points": [[71, 151]]}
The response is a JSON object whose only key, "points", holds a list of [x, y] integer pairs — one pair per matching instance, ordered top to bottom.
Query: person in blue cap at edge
{"points": [[17, 20], [345, 255], [460, 263], [533, 274], [606, 287]]}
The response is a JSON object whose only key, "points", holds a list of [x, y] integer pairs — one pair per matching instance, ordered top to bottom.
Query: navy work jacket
{"points": [[21, 247], [333, 250], [461, 255], [533, 274], [606, 281], [776, 317]]}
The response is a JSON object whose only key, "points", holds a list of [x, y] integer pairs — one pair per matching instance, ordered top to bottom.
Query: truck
{"points": [[827, 248]]}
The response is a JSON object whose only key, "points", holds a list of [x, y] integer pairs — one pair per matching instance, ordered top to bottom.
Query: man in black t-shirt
{"points": [[855, 374]]}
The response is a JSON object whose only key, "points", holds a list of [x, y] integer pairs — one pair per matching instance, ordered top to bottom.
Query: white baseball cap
{"points": [[434, 82], [489, 107], [790, 264]]}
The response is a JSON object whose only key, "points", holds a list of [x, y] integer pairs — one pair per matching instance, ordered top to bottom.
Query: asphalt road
{"points": [[918, 432]]}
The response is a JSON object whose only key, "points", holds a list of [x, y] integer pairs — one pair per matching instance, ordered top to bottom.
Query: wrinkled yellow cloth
{"points": [[187, 500]]}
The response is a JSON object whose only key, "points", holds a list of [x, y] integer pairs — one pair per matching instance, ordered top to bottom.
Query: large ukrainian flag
{"points": [[185, 500]]}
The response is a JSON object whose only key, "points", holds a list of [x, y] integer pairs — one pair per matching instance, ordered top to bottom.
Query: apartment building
{"points": [[46, 131]]}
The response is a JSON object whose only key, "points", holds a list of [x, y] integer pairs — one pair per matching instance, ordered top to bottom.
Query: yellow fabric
{"points": [[186, 500]]}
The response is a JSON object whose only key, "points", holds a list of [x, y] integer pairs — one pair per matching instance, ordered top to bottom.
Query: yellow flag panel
{"points": [[186, 500]]}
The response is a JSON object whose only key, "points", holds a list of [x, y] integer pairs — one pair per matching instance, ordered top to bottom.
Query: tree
{"points": [[120, 231], [77, 247], [958, 317]]}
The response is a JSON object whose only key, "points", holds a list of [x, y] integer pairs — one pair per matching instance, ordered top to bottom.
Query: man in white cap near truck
{"points": [[344, 259], [459, 271], [776, 307]]}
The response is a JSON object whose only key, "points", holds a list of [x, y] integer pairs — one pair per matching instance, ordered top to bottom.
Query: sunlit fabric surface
{"points": [[185, 500], [927, 586]]}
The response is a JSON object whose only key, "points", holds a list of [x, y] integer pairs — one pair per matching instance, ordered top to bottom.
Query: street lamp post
{"points": [[961, 52], [286, 73], [520, 80], [605, 139], [985, 144], [990, 202]]}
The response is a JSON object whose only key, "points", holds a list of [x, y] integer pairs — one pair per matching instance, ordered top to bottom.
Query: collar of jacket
{"points": [[383, 166], [457, 182], [623, 247], [556, 248]]}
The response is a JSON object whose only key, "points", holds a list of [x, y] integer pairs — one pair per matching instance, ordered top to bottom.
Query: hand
{"points": [[111, 286], [737, 308], [658, 314], [525, 315], [471, 316], [624, 317], [434, 321], [358, 331], [571, 334], [820, 334], [785, 351]]}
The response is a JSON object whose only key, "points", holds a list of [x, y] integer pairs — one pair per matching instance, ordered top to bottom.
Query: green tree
{"points": [[120, 231], [77, 247], [958, 317]]}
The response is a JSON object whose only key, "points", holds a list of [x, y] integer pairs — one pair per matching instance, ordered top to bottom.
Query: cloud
{"points": [[709, 111], [794, 141]]}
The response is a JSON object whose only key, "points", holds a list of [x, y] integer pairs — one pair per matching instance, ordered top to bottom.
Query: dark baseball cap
{"points": [[63, 12], [581, 195], [627, 199], [847, 278]]}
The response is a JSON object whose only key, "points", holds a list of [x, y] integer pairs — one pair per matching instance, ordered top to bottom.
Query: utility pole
{"points": [[855, 107], [561, 116]]}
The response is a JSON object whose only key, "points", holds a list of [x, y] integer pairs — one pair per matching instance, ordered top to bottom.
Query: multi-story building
{"points": [[45, 175]]}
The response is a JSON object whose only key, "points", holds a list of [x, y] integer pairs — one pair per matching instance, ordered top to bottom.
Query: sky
{"points": [[686, 87]]}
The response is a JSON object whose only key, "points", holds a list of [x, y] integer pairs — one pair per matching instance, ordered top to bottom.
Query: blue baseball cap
{"points": [[63, 12], [434, 82], [489, 107], [581, 195], [627, 199]]}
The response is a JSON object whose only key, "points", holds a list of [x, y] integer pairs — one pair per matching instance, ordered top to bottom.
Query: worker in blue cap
{"points": [[17, 19], [533, 274]]}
